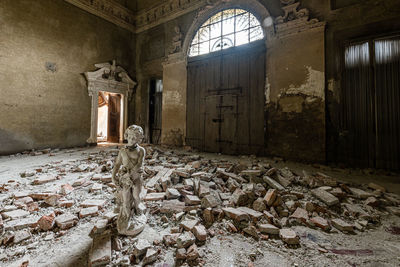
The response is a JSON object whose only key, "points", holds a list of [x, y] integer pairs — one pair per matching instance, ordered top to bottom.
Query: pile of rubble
{"points": [[202, 196], [191, 197]]}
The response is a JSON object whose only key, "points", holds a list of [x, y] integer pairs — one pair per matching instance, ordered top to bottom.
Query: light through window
{"points": [[229, 28]]}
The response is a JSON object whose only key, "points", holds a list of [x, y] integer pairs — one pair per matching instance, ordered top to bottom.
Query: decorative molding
{"points": [[108, 10], [164, 12], [294, 20], [109, 78]]}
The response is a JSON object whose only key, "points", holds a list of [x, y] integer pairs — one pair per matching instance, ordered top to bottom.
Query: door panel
{"points": [[225, 103], [114, 116], [211, 130]]}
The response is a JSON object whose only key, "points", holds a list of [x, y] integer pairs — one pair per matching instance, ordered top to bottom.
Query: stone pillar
{"points": [[174, 100], [93, 121]]}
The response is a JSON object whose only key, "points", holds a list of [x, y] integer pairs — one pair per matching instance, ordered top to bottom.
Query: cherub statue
{"points": [[129, 167]]}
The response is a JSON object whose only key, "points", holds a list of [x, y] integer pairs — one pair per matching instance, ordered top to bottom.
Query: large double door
{"points": [[225, 102]]}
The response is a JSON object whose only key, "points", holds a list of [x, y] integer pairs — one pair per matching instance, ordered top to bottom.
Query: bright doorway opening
{"points": [[110, 118]]}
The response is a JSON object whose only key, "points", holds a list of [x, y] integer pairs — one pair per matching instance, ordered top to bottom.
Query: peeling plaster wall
{"points": [[296, 96], [49, 106]]}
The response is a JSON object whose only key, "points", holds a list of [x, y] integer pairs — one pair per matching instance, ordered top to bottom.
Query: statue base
{"points": [[134, 227]]}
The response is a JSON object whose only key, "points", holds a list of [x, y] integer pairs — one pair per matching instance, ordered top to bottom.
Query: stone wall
{"points": [[45, 46]]}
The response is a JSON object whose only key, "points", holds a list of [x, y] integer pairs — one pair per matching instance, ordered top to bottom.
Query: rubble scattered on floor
{"points": [[195, 198]]}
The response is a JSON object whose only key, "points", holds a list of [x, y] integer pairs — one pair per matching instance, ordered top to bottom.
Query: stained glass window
{"points": [[228, 28]]}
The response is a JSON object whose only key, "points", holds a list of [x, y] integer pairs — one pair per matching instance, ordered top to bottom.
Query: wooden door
{"points": [[225, 102], [114, 117]]}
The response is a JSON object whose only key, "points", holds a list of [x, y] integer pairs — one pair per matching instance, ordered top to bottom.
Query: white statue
{"points": [[129, 167]]}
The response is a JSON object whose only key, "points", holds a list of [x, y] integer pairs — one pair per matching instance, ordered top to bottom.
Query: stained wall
{"points": [[45, 46]]}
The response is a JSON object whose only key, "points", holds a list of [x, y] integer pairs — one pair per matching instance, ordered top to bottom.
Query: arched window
{"points": [[228, 28]]}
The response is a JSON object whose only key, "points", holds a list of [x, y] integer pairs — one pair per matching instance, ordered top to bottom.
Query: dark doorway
{"points": [[225, 101], [370, 109], [155, 110], [114, 117]]}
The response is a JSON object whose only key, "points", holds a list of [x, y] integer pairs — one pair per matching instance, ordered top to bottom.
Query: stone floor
{"points": [[203, 209]]}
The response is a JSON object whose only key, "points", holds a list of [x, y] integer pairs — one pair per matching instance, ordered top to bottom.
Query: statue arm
{"points": [[140, 162], [117, 165]]}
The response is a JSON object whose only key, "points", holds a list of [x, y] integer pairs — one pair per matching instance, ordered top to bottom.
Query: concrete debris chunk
{"points": [[43, 180], [283, 181], [272, 183], [377, 187], [96, 188], [66, 189], [172, 193], [359, 193], [154, 196], [270, 197], [325, 197], [239, 198], [192, 200], [209, 201], [100, 203], [259, 205], [172, 206], [87, 212], [15, 214], [236, 214], [254, 215], [301, 215], [66, 221], [46, 222], [320, 222], [21, 223], [188, 225], [342, 225], [267, 228], [252, 231], [200, 232], [21, 235], [289, 236], [185, 240], [141, 247], [192, 253], [180, 254], [150, 257]]}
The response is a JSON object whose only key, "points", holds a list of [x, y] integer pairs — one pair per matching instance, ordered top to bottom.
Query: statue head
{"points": [[134, 135]]}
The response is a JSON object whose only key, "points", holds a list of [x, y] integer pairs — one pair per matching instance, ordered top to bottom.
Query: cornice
{"points": [[108, 10], [164, 12], [142, 21]]}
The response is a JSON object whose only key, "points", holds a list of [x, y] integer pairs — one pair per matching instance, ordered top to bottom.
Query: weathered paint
{"points": [[45, 108]]}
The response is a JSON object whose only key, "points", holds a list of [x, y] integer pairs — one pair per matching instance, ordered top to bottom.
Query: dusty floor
{"points": [[377, 244]]}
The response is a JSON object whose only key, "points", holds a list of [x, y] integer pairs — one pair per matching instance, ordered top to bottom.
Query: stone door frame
{"points": [[123, 86]]}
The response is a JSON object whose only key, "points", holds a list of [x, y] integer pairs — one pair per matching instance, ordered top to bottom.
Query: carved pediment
{"points": [[294, 19], [111, 78]]}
